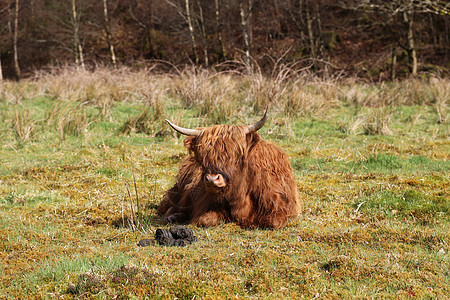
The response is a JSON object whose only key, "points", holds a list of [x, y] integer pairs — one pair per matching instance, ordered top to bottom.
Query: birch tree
{"points": [[245, 11], [185, 12], [201, 21], [149, 28], [16, 30], [191, 30], [219, 30], [108, 34], [77, 47], [1, 69]]}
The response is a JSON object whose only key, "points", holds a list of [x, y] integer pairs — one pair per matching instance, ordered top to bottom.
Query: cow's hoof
{"points": [[170, 219]]}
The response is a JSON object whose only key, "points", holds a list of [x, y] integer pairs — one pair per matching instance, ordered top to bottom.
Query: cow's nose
{"points": [[211, 177], [215, 180]]}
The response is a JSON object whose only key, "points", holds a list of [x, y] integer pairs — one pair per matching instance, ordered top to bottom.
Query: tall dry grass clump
{"points": [[194, 86], [102, 87], [271, 87], [245, 90], [13, 92], [407, 92], [213, 94], [359, 94], [309, 95], [441, 97], [67, 119], [376, 121], [72, 122], [143, 123], [23, 125]]}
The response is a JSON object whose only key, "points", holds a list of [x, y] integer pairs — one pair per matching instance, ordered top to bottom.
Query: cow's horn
{"points": [[257, 126], [185, 131]]}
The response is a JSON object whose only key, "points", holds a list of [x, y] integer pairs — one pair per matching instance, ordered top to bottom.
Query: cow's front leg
{"points": [[178, 212], [207, 212], [243, 212], [274, 215], [210, 218]]}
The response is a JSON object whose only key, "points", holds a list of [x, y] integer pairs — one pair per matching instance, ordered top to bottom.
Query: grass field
{"points": [[86, 158]]}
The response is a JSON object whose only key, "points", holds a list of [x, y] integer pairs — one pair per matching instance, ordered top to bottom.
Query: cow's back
{"points": [[270, 170]]}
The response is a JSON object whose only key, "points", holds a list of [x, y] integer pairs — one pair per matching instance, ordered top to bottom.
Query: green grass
{"points": [[380, 163], [412, 204], [375, 220]]}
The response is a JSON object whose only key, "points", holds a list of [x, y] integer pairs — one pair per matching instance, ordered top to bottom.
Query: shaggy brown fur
{"points": [[260, 189]]}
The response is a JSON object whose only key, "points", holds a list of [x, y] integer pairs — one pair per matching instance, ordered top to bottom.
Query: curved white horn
{"points": [[257, 126], [185, 131]]}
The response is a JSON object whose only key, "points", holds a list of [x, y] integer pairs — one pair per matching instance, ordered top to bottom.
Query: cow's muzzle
{"points": [[214, 182]]}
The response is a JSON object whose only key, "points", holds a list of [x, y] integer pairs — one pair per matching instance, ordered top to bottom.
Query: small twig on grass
{"points": [[136, 193], [359, 206], [132, 222]]}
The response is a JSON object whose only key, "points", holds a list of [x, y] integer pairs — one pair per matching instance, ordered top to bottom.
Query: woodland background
{"points": [[378, 40]]}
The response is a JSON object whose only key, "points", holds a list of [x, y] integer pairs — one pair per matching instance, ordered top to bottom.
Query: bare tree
{"points": [[33, 10], [245, 11], [186, 14], [144, 16], [277, 16], [408, 18], [201, 21], [309, 26], [150, 27], [9, 29], [219, 29], [16, 30], [191, 30], [108, 34], [77, 47], [1, 70]]}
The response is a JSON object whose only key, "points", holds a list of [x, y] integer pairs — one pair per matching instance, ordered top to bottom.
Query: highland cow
{"points": [[231, 174]]}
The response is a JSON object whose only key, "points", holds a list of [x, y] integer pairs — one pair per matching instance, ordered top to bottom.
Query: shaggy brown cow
{"points": [[231, 174]]}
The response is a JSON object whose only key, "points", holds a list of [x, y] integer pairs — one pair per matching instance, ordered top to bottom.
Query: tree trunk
{"points": [[33, 11], [245, 12], [277, 17], [8, 24], [309, 27], [16, 30], [219, 30], [149, 31], [191, 31], [203, 32], [108, 34], [434, 34], [318, 40], [78, 49], [412, 54], [394, 64], [1, 70]]}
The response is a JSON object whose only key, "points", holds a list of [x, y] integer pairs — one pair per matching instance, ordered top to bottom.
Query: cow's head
{"points": [[221, 151]]}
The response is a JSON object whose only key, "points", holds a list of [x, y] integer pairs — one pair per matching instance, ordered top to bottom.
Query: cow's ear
{"points": [[253, 138], [189, 142]]}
